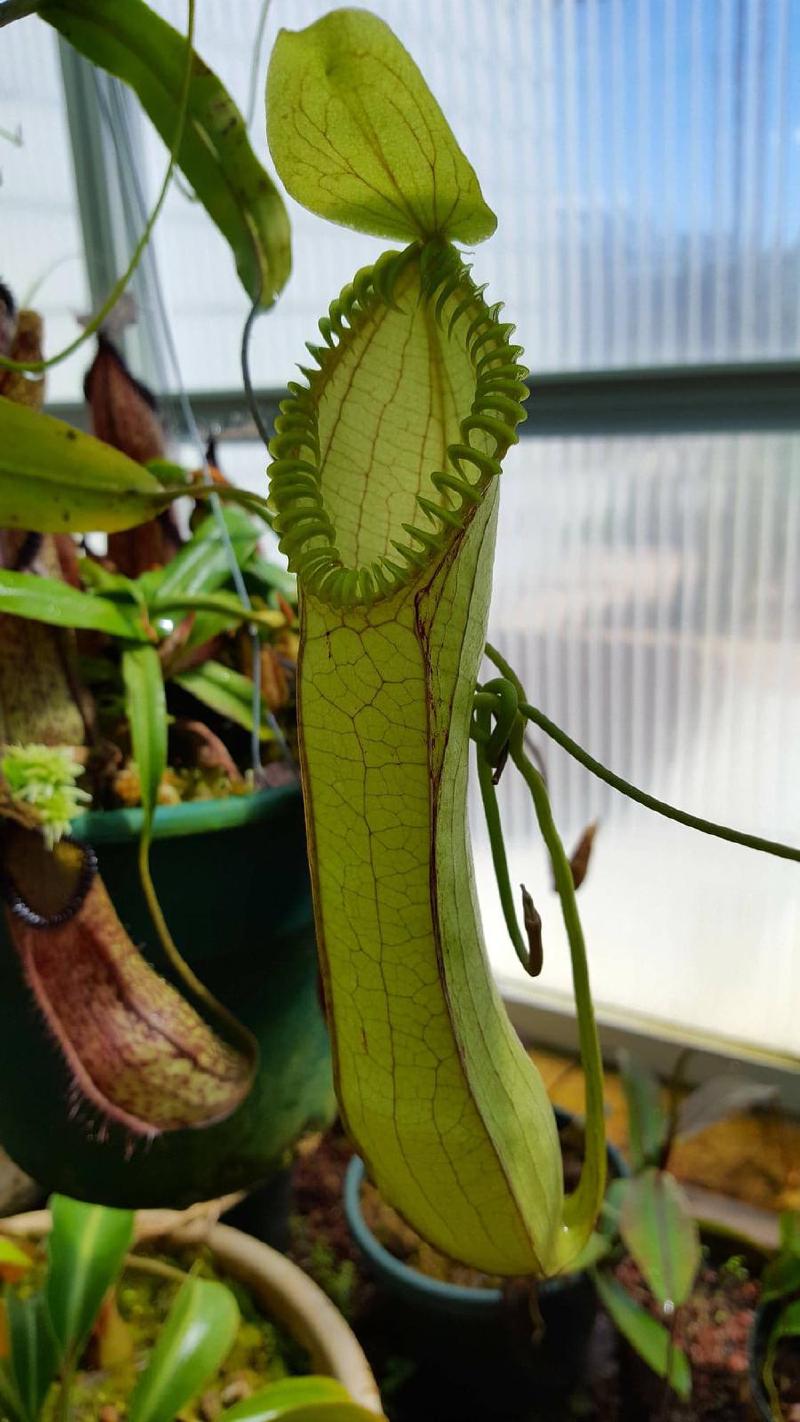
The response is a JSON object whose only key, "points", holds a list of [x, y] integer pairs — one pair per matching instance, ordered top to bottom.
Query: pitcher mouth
{"points": [[319, 541]]}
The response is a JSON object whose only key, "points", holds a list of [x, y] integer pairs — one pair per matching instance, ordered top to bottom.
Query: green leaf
{"points": [[136, 45], [357, 136], [55, 479], [203, 564], [270, 576], [112, 585], [224, 603], [60, 605], [226, 691], [146, 709], [648, 1123], [790, 1231], [661, 1236], [85, 1247], [596, 1248], [780, 1277], [787, 1324], [197, 1335], [646, 1335], [34, 1351], [9, 1396], [310, 1399]]}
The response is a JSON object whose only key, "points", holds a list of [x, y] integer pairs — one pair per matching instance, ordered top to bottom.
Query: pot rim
{"points": [[189, 817], [281, 1288]]}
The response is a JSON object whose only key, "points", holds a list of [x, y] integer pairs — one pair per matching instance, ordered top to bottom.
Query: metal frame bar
{"points": [[668, 400]]}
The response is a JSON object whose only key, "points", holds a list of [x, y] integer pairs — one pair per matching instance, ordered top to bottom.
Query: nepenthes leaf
{"points": [[131, 41], [358, 137]]}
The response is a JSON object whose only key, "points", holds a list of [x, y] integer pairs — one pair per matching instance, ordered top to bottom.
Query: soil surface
{"points": [[431, 1372]]}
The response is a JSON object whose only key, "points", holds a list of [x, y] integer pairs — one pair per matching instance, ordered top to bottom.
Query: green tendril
{"points": [[538, 718]]}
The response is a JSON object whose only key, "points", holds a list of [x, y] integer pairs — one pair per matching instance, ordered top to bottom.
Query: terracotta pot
{"points": [[284, 1292]]}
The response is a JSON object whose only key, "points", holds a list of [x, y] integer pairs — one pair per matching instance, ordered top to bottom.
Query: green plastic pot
{"points": [[232, 879]]}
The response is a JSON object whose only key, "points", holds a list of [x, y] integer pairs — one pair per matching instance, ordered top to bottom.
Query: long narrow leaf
{"points": [[131, 41], [55, 479], [203, 564], [271, 577], [222, 602], [59, 604], [225, 691], [146, 710], [648, 1122], [663, 1239], [86, 1247], [198, 1333], [646, 1335], [34, 1352], [9, 1396], [311, 1399]]}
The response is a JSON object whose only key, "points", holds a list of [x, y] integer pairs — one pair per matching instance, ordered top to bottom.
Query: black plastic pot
{"points": [[476, 1344]]}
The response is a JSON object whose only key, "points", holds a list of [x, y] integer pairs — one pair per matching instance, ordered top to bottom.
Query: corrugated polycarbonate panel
{"points": [[643, 157], [41, 249], [647, 590], [648, 593]]}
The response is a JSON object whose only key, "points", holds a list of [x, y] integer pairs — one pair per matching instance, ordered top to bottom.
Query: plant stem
{"points": [[17, 10], [750, 841], [239, 1033], [591, 1185], [156, 1266], [65, 1389]]}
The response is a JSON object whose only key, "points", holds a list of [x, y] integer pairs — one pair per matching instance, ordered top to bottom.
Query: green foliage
{"points": [[132, 42], [357, 136], [55, 479], [60, 605], [227, 692], [146, 710], [44, 777], [648, 1122], [661, 1236], [85, 1250], [780, 1288], [48, 1330], [646, 1335], [196, 1337], [34, 1353], [312, 1399]]}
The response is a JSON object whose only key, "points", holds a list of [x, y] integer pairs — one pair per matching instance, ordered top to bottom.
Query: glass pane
{"points": [[643, 156], [42, 248], [647, 592]]}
